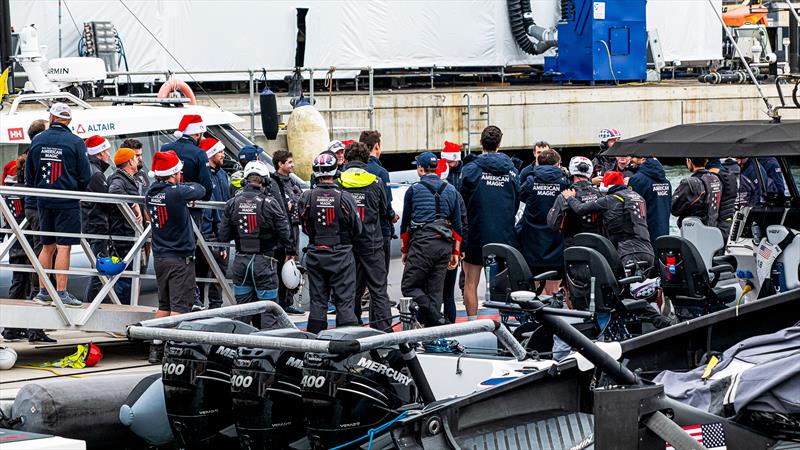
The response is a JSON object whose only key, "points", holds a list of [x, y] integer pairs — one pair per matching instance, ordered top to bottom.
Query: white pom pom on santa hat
{"points": [[96, 144]]}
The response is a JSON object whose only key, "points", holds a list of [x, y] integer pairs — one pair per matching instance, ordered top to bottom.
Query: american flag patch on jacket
{"points": [[711, 435]]}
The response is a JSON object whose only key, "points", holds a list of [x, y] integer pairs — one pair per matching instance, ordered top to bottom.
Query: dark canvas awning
{"points": [[716, 139]]}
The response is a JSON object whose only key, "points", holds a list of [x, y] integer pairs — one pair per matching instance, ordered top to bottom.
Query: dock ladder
{"points": [[475, 113]]}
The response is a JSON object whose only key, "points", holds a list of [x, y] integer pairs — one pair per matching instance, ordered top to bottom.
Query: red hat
{"points": [[190, 124], [347, 142], [96, 144], [211, 146], [451, 151], [165, 164], [442, 169], [9, 173], [611, 178]]}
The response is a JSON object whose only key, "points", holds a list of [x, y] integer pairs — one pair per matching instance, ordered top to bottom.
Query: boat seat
{"points": [[707, 240], [604, 247], [789, 258], [581, 264], [513, 273], [685, 278]]}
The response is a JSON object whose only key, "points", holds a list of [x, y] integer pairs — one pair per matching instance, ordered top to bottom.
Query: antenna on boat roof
{"points": [[169, 53], [772, 112]]}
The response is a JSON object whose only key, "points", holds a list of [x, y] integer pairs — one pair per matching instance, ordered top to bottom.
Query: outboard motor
{"points": [[196, 381], [265, 387], [346, 396]]}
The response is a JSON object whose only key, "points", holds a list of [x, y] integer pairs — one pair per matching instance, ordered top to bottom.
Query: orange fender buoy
{"points": [[174, 84]]}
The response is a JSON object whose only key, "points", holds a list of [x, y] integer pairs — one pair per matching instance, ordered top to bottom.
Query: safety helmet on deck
{"points": [[325, 165], [580, 165], [110, 265]]}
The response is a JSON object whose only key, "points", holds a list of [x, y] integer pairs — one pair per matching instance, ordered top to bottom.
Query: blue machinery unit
{"points": [[600, 41]]}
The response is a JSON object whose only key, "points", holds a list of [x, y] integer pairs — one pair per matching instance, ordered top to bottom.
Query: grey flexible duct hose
{"points": [[518, 27], [669, 431]]}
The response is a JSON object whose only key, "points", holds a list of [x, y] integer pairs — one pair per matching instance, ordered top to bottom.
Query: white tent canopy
{"points": [[241, 34]]}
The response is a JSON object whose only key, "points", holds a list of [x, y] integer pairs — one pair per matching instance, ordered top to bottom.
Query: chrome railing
{"points": [[252, 111]]}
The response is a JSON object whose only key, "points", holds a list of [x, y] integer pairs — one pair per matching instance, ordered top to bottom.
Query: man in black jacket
{"points": [[372, 139], [57, 160], [124, 181], [650, 181], [284, 187], [367, 190], [730, 191], [698, 195], [94, 215], [624, 216], [561, 218], [331, 221], [257, 224]]}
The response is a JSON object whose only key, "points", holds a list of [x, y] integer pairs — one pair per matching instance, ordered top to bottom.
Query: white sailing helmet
{"points": [[581, 165], [256, 168], [291, 275], [8, 357]]}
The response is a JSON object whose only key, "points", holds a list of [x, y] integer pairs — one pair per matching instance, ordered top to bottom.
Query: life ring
{"points": [[174, 84]]}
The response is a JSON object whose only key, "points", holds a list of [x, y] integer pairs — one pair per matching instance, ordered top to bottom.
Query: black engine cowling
{"points": [[196, 381], [346, 396], [267, 399]]}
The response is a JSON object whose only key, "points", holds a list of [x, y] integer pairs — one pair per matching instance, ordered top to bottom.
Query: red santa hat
{"points": [[190, 124], [96, 144], [211, 146], [451, 151], [165, 164], [442, 169], [9, 173], [611, 178]]}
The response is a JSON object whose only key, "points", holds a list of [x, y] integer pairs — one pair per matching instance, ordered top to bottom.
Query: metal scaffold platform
{"points": [[105, 312]]}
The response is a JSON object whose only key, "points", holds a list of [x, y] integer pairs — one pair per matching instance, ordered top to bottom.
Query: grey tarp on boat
{"points": [[761, 373]]}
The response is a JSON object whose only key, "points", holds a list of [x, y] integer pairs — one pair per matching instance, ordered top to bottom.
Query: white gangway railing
{"points": [[31, 315]]}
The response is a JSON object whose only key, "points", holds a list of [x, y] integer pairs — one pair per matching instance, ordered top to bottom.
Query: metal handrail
{"points": [[251, 74], [47, 96], [141, 236]]}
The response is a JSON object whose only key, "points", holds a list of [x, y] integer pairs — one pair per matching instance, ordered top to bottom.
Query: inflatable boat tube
{"points": [[84, 409], [145, 412]]}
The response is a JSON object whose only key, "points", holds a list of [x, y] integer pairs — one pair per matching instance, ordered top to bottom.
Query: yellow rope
{"points": [[51, 370]]}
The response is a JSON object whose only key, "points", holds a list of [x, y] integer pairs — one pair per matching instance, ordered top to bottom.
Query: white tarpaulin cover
{"points": [[238, 34]]}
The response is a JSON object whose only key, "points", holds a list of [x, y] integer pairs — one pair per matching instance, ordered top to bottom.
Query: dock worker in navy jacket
{"points": [[194, 159], [57, 160], [650, 182], [490, 189], [431, 233], [542, 247]]}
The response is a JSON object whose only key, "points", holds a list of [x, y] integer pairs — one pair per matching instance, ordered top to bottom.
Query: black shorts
{"points": [[60, 221], [473, 255], [255, 274], [176, 283]]}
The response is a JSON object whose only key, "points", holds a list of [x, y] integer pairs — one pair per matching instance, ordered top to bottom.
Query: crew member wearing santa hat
{"points": [[215, 151], [195, 161], [450, 169], [94, 215], [624, 215], [173, 239]]}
